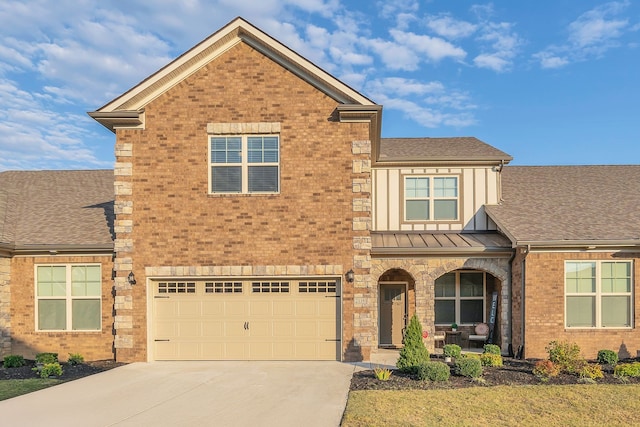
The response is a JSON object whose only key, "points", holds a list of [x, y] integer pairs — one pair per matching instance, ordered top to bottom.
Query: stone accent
{"points": [[243, 128], [361, 147], [124, 150], [362, 166], [123, 169], [361, 185], [122, 188], [362, 205], [361, 224], [362, 242], [244, 270], [5, 306]]}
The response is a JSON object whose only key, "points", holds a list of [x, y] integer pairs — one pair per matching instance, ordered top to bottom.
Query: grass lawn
{"points": [[13, 388], [567, 405]]}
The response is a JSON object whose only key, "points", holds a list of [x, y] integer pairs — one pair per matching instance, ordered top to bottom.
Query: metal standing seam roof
{"points": [[439, 149], [569, 205], [57, 208], [423, 242]]}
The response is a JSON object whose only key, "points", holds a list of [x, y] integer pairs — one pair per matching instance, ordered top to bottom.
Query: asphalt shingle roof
{"points": [[439, 149], [570, 203], [56, 207]]}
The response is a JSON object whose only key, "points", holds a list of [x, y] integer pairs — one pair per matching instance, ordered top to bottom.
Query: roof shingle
{"points": [[439, 149]]}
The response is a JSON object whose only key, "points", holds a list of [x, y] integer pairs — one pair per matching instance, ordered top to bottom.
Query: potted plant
{"points": [[454, 327], [451, 351]]}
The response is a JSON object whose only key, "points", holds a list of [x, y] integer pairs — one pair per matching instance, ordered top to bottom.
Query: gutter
{"points": [[588, 244], [62, 249], [501, 252]]}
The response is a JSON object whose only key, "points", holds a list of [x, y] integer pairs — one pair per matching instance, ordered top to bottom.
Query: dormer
{"points": [[435, 184]]}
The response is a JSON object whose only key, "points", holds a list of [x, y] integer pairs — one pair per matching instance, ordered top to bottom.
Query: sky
{"points": [[550, 82]]}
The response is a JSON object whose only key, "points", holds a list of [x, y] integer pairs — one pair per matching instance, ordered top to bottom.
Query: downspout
{"points": [[522, 291], [510, 305]]}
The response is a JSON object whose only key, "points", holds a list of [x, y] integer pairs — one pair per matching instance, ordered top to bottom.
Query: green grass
{"points": [[13, 388], [576, 405]]}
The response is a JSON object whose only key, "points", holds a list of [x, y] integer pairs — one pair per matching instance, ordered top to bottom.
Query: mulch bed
{"points": [[69, 372], [514, 372]]}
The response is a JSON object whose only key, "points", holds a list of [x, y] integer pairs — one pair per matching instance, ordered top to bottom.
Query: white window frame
{"points": [[244, 163], [431, 198], [599, 294], [68, 297], [457, 298]]}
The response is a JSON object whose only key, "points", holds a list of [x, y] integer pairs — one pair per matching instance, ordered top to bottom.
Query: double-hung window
{"points": [[245, 164], [431, 198], [598, 294], [68, 297], [459, 298]]}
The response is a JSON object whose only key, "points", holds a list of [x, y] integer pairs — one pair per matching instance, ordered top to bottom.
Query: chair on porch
{"points": [[481, 334], [439, 337]]}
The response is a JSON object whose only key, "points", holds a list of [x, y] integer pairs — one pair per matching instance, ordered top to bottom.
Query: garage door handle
{"points": [[332, 296], [333, 339], [162, 340]]}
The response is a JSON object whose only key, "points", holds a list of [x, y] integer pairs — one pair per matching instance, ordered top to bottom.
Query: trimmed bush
{"points": [[492, 349], [452, 350], [414, 352], [567, 356], [607, 357], [46, 358], [75, 359], [490, 359], [13, 361], [470, 367], [51, 369], [545, 370], [627, 370], [433, 371], [591, 372]]}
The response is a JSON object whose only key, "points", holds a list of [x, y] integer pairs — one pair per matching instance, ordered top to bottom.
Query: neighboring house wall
{"points": [[476, 187], [168, 224], [425, 271], [5, 306], [545, 307], [28, 342]]}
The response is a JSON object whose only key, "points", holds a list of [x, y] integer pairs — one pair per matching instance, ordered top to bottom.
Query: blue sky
{"points": [[549, 82]]}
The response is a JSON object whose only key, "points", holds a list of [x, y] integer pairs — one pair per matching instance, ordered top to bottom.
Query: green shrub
{"points": [[492, 349], [452, 350], [414, 352], [567, 356], [607, 357], [46, 358], [75, 359], [490, 359], [13, 361], [468, 367], [50, 369], [545, 369], [627, 370], [433, 371], [591, 372], [383, 374]]}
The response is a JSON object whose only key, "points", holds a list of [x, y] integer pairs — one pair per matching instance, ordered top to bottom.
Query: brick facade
{"points": [[166, 218], [544, 299], [5, 306], [28, 342]]}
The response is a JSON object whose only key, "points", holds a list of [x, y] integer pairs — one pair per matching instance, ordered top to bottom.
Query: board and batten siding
{"points": [[477, 186]]}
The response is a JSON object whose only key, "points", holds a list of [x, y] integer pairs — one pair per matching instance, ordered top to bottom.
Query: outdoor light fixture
{"points": [[350, 276], [131, 278]]}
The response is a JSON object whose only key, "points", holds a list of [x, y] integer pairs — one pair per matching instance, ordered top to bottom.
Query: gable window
{"points": [[245, 164], [431, 198], [598, 294], [69, 297], [459, 298]]}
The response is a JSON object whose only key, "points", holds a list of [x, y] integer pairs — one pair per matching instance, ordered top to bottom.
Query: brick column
{"points": [[5, 306]]}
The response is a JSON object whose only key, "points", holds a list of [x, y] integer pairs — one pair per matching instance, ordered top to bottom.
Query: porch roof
{"points": [[439, 243]]}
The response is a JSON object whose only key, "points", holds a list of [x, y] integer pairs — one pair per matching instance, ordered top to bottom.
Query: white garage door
{"points": [[246, 320]]}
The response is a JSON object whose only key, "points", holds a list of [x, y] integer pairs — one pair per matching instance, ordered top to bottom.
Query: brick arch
{"points": [[490, 266], [413, 270]]}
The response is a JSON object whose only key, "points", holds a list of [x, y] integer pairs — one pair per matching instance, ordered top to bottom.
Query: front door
{"points": [[393, 314]]}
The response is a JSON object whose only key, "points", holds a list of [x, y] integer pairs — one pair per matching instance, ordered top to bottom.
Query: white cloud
{"points": [[389, 9], [451, 28], [590, 35], [503, 46], [434, 48], [394, 55]]}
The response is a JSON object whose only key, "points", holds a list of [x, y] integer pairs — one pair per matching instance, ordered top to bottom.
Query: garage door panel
{"points": [[266, 320]]}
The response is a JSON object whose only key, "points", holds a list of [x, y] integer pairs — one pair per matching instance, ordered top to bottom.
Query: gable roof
{"points": [[128, 109], [440, 150], [569, 205], [56, 210]]}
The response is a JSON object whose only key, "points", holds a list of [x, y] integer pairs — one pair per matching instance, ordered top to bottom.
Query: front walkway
{"points": [[191, 394]]}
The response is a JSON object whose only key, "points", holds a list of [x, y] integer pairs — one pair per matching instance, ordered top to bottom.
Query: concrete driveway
{"points": [[191, 394]]}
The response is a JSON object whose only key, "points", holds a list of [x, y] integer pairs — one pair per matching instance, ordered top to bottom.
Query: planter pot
{"points": [[447, 359]]}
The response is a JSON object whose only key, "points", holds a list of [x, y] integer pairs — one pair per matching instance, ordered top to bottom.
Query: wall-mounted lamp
{"points": [[350, 275], [131, 278]]}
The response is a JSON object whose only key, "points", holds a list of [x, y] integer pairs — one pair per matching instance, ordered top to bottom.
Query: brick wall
{"points": [[167, 218], [5, 306], [544, 309], [27, 342]]}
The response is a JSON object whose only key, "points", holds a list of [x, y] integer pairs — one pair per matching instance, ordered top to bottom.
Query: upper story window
{"points": [[245, 164], [431, 198], [598, 294], [68, 297]]}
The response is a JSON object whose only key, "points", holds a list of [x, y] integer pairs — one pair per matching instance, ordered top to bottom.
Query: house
{"points": [[255, 212]]}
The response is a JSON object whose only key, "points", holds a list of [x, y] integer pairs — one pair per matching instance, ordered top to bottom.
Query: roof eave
{"points": [[113, 120], [439, 161], [578, 244], [53, 249], [494, 252]]}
